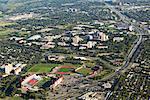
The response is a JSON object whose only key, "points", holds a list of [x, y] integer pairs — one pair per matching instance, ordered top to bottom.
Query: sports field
{"points": [[41, 68], [64, 70], [85, 71]]}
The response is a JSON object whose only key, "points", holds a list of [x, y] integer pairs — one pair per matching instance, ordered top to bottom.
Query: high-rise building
{"points": [[8, 68]]}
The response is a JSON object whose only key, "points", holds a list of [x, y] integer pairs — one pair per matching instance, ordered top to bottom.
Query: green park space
{"points": [[1, 14], [4, 23], [6, 32], [73, 65], [41, 68], [64, 70], [85, 71], [103, 74], [44, 80]]}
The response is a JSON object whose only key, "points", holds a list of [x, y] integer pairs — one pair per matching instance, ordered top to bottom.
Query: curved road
{"points": [[140, 34], [137, 42]]}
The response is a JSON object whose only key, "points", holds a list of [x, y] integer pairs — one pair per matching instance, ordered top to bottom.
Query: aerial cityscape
{"points": [[74, 49]]}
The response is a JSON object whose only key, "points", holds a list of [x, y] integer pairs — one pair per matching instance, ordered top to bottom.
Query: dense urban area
{"points": [[75, 49]]}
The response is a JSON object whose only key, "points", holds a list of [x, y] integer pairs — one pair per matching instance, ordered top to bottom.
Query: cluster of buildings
{"points": [[82, 36], [78, 39], [54, 58], [12, 68], [29, 82], [36, 82], [134, 85]]}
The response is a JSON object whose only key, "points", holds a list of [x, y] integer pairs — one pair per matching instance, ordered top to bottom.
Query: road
{"points": [[140, 34]]}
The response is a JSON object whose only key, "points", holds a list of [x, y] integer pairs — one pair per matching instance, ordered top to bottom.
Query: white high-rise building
{"points": [[130, 28], [103, 37], [8, 68]]}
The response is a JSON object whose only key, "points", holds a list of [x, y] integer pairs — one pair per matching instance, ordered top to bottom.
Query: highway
{"points": [[140, 34]]}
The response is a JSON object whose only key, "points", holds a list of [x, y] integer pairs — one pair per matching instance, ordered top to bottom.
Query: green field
{"points": [[1, 15], [2, 23], [4, 33], [90, 63], [73, 65], [41, 68], [64, 70], [84, 71], [103, 74], [40, 83]]}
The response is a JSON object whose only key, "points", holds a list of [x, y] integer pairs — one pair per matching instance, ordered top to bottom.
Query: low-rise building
{"points": [[35, 37], [118, 39], [91, 44], [48, 45], [55, 58], [11, 68], [29, 82], [57, 82]]}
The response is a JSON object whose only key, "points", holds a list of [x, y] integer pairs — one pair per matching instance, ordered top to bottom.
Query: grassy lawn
{"points": [[1, 15], [2, 23], [4, 33], [22, 33], [90, 63], [73, 65], [41, 68], [64, 70], [84, 71], [103, 74], [40, 83], [12, 98]]}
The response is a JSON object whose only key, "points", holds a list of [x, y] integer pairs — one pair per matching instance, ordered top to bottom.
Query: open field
{"points": [[1, 15], [2, 23], [4, 33], [73, 65], [41, 68], [64, 69], [84, 71], [103, 74]]}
